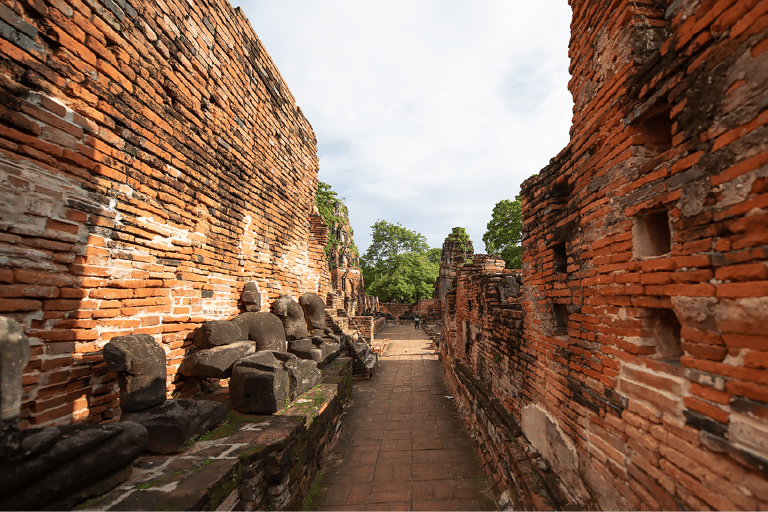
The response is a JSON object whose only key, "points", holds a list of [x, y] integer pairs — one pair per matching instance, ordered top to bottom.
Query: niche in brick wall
{"points": [[657, 130], [561, 189], [651, 233], [560, 257], [559, 319], [663, 330]]}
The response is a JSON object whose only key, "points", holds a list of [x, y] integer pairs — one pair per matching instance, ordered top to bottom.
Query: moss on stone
{"points": [[231, 425], [217, 496]]}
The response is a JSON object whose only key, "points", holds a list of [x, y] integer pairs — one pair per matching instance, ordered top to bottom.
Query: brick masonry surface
{"points": [[152, 161], [636, 360]]}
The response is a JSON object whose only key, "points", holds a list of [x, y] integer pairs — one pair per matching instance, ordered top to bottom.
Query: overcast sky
{"points": [[427, 112]]}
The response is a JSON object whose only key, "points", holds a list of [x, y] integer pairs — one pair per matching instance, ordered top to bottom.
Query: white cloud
{"points": [[427, 112]]}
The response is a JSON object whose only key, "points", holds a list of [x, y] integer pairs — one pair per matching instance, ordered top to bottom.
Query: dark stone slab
{"points": [[320, 350], [139, 362], [216, 362], [174, 422], [82, 455]]}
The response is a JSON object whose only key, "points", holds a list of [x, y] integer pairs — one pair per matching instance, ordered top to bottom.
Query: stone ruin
{"points": [[270, 359], [140, 366], [55, 467]]}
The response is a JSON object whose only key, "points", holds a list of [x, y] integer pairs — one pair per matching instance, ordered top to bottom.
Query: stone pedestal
{"points": [[268, 381]]}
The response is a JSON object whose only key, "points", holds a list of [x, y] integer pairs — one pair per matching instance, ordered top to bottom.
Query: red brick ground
{"points": [[403, 447]]}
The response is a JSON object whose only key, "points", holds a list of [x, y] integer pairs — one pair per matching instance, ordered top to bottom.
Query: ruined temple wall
{"points": [[152, 160], [645, 261], [396, 309], [429, 309], [487, 330]]}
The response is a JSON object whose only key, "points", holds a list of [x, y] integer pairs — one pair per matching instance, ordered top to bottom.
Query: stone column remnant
{"points": [[251, 296], [14, 355], [139, 363]]}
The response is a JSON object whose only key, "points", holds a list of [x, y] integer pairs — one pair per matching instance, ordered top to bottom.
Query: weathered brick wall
{"points": [[152, 160], [645, 261], [396, 309], [430, 309], [488, 329]]}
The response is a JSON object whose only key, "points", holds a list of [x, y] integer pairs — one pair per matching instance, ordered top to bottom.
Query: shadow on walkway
{"points": [[403, 446]]}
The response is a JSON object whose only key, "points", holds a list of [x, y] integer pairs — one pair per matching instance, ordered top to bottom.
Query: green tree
{"points": [[503, 232], [399, 264], [412, 277]]}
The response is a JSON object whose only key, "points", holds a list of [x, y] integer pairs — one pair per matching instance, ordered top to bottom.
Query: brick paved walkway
{"points": [[403, 446]]}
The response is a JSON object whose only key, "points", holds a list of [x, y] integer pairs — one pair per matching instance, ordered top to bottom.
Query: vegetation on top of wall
{"points": [[329, 205], [503, 235], [461, 237]]}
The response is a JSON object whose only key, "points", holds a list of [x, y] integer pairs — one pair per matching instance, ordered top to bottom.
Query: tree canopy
{"points": [[503, 235], [399, 265]]}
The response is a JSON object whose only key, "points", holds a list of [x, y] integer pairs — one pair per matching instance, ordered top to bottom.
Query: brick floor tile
{"points": [[397, 457], [392, 486], [432, 490], [337, 494], [359, 494], [389, 496], [435, 505]]}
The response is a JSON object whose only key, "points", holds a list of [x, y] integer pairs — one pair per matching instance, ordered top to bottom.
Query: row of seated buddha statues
{"points": [[270, 359]]}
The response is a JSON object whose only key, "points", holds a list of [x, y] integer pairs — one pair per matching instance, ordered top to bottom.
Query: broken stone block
{"points": [[508, 287], [251, 296], [314, 310], [292, 315], [265, 329], [217, 333], [320, 350], [364, 360], [216, 362], [139, 363], [269, 381], [174, 422], [64, 461]]}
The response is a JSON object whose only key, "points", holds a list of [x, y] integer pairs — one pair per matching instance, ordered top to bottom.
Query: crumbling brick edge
{"points": [[518, 476]]}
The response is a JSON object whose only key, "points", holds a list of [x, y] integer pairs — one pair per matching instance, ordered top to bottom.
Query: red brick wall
{"points": [[152, 160], [645, 260], [430, 309], [397, 310], [640, 373]]}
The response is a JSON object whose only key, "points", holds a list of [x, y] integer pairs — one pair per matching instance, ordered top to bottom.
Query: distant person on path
{"points": [[416, 321]]}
